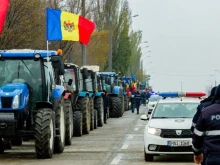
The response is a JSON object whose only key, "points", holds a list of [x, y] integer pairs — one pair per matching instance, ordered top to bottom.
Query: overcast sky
{"points": [[184, 39]]}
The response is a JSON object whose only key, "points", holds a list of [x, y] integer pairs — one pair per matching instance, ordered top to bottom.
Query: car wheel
{"points": [[148, 157]]}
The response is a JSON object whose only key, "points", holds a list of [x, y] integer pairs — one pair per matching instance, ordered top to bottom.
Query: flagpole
{"points": [[48, 71]]}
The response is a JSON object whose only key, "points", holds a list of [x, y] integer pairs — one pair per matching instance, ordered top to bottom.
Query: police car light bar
{"points": [[182, 94]]}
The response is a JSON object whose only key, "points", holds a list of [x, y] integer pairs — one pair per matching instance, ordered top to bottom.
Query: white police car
{"points": [[168, 128]]}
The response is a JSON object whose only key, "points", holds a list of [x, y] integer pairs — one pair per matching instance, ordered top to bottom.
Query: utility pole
{"points": [[110, 35], [83, 46]]}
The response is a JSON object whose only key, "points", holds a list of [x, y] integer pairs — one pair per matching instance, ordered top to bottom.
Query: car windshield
{"points": [[154, 98], [175, 110]]}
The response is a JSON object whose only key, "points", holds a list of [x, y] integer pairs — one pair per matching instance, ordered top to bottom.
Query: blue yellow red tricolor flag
{"points": [[3, 11], [63, 25]]}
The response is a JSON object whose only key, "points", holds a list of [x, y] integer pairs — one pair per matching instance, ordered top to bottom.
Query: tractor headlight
{"points": [[15, 103], [154, 131]]}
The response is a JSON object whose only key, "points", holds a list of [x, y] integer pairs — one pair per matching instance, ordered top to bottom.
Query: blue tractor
{"points": [[94, 87], [116, 93], [78, 97], [31, 104]]}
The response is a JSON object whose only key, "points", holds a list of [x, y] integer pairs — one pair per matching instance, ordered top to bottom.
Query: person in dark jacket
{"points": [[137, 97], [133, 102], [204, 103], [106, 105], [206, 136]]}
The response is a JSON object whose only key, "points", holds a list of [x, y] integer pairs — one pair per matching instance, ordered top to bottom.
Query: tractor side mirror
{"points": [[84, 72], [92, 75], [70, 82]]}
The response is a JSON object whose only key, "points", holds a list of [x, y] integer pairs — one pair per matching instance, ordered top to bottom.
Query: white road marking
{"points": [[138, 125], [136, 129], [125, 146], [116, 160]]}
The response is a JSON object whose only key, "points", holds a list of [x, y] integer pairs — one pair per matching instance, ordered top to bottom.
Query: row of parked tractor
{"points": [[67, 102]]}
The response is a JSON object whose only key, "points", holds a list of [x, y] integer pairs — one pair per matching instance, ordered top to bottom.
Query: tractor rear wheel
{"points": [[126, 103], [84, 105], [99, 105], [122, 105], [115, 107], [92, 114], [95, 119], [69, 121], [77, 123], [60, 130], [44, 133], [2, 146]]}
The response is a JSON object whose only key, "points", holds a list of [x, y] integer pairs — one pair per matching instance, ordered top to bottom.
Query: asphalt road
{"points": [[118, 142]]}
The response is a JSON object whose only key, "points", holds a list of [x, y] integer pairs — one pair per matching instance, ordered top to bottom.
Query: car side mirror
{"points": [[70, 82]]}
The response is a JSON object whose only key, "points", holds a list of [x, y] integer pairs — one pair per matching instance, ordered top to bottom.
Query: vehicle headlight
{"points": [[15, 103], [154, 131]]}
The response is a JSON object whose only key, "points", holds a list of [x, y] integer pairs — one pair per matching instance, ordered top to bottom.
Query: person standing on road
{"points": [[144, 96], [137, 97], [133, 102], [204, 103], [106, 106], [206, 134]]}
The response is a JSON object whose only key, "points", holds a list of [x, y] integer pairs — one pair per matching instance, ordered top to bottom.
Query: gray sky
{"points": [[184, 39]]}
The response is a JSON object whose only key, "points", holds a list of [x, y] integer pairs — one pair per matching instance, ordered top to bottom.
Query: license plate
{"points": [[178, 143]]}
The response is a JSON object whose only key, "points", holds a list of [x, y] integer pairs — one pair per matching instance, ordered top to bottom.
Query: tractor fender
{"points": [[116, 90], [58, 91], [83, 94], [98, 94], [66, 95], [90, 95], [112, 95], [44, 104]]}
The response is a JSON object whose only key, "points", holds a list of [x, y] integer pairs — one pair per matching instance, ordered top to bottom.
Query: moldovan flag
{"points": [[3, 11], [63, 25]]}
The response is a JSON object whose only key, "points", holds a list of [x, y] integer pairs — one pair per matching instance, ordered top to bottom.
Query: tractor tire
{"points": [[125, 103], [84, 105], [99, 105], [122, 105], [115, 108], [92, 114], [108, 115], [95, 119], [69, 122], [77, 123], [60, 129], [44, 133], [16, 142], [7, 144], [2, 146]]}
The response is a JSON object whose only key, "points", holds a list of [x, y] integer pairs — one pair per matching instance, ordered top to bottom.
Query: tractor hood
{"points": [[12, 89], [14, 96]]}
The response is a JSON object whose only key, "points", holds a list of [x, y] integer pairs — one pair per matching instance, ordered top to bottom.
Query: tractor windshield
{"points": [[19, 70], [25, 71], [69, 74], [89, 83]]}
